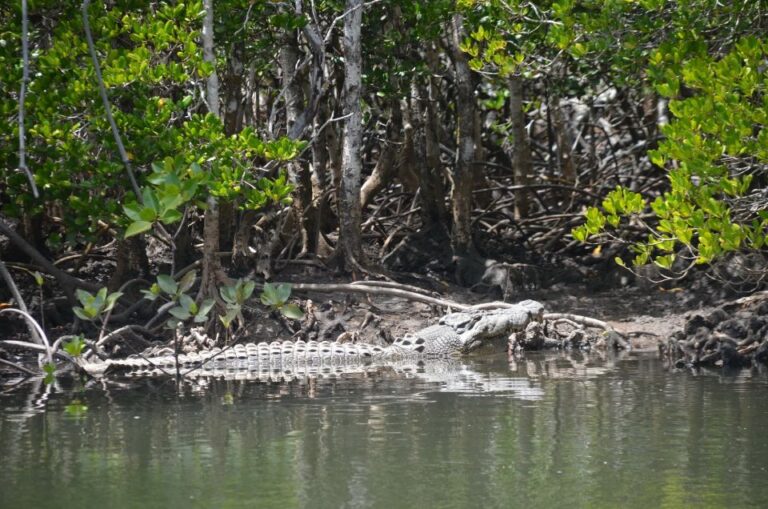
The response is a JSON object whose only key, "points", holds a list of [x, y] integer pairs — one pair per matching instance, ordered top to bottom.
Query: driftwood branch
{"points": [[379, 290]]}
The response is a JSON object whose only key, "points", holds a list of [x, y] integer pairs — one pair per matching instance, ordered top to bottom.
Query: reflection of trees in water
{"points": [[600, 432]]}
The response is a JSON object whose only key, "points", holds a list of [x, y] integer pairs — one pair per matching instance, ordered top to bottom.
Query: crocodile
{"points": [[455, 334]]}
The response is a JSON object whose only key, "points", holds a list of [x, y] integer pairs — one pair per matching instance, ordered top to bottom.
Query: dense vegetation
{"points": [[405, 135]]}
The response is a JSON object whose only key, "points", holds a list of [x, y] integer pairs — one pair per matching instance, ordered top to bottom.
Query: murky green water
{"points": [[545, 432]]}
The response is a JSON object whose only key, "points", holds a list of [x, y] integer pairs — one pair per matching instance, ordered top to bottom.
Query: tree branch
{"points": [[22, 96], [105, 100]]}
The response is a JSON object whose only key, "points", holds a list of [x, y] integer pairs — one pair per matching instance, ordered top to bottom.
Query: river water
{"points": [[544, 431]]}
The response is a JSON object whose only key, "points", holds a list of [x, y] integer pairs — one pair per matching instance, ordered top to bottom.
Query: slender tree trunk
{"points": [[212, 81], [233, 91], [232, 119], [564, 144], [521, 147], [351, 161], [298, 173], [431, 174], [320, 179], [479, 179], [461, 196], [211, 262]]}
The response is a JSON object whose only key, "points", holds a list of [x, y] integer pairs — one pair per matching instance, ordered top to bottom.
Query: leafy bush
{"points": [[716, 151]]}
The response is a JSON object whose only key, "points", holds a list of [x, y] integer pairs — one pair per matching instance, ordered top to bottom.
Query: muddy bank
{"points": [[645, 317], [733, 335]]}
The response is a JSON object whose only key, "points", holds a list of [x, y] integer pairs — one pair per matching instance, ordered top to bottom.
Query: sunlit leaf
{"points": [[137, 227], [292, 311]]}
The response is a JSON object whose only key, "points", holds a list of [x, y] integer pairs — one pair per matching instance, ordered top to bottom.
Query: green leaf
{"points": [[657, 158], [148, 199], [171, 201], [133, 211], [147, 214], [171, 216], [137, 227], [580, 233], [665, 261], [38, 278], [187, 281], [167, 284], [247, 290], [153, 292], [283, 292], [229, 294], [269, 295], [84, 297], [101, 298], [112, 300], [188, 303], [205, 308], [292, 311], [80, 312], [180, 313], [230, 315], [75, 347]]}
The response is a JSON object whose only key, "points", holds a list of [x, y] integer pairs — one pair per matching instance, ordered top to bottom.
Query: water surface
{"points": [[539, 432]]}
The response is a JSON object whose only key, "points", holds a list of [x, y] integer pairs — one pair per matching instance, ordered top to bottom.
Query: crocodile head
{"points": [[487, 326], [463, 332]]}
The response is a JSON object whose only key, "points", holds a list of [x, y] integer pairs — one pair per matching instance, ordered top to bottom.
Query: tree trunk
{"points": [[212, 81], [234, 109], [233, 123], [419, 137], [564, 144], [521, 148], [351, 161], [298, 173], [431, 175], [479, 179], [320, 180], [461, 196], [132, 262], [211, 262]]}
